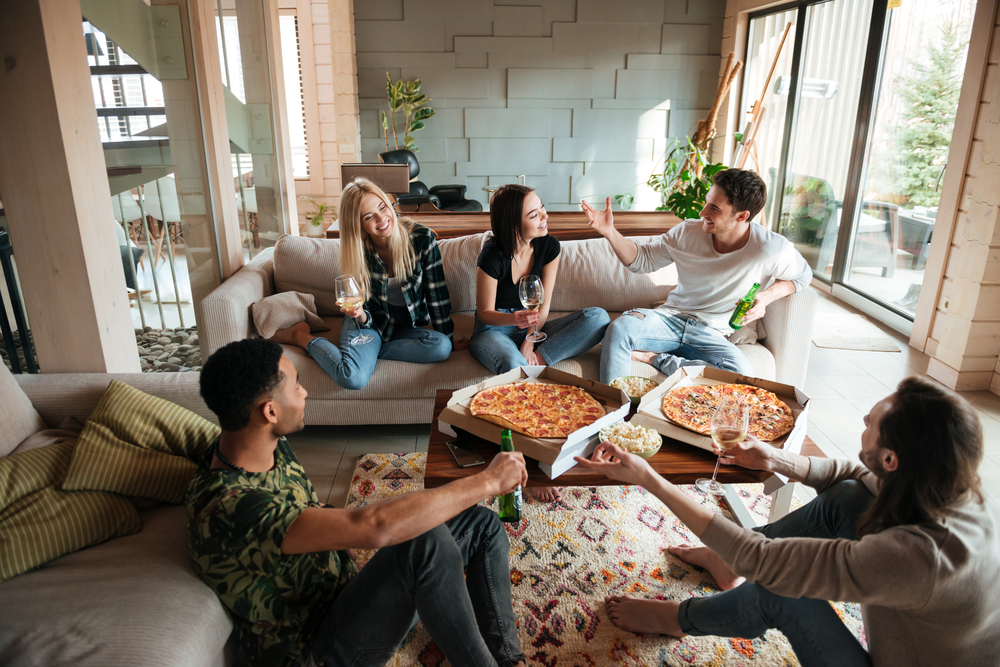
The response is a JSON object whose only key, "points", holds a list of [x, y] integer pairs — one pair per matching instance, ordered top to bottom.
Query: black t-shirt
{"points": [[493, 262]]}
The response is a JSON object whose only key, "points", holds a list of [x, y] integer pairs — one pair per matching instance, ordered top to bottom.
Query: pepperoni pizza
{"points": [[692, 407]]}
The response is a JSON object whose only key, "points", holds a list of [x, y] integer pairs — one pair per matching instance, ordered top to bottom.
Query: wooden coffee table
{"points": [[678, 462]]}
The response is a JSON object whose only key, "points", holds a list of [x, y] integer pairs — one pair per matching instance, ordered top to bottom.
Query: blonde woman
{"points": [[397, 265]]}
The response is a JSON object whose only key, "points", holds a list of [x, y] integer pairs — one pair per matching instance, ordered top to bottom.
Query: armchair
{"points": [[441, 197]]}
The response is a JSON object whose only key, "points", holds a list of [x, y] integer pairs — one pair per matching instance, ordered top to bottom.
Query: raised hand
{"points": [[601, 221], [525, 318], [615, 463]]}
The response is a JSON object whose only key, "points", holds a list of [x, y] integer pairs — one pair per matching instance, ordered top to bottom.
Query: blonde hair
{"points": [[355, 243]]}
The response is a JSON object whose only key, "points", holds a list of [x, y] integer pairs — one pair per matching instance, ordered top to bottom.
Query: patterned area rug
{"points": [[568, 555]]}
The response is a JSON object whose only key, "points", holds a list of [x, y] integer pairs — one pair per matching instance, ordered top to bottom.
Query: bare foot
{"points": [[297, 334], [644, 357], [546, 494], [705, 558], [645, 616]]}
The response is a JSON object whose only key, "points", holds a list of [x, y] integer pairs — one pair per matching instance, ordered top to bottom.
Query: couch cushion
{"points": [[459, 257], [310, 266], [591, 275], [17, 415], [139, 445], [39, 521], [130, 601]]}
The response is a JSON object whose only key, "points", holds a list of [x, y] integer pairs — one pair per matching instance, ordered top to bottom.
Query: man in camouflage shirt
{"points": [[280, 562]]}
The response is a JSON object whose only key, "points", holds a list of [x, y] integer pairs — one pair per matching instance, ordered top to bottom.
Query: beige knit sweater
{"points": [[929, 594]]}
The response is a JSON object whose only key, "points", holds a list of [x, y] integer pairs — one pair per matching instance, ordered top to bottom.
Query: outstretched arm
{"points": [[603, 223], [400, 518]]}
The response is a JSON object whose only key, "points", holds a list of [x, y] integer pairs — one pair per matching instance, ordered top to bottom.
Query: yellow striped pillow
{"points": [[139, 445], [39, 521]]}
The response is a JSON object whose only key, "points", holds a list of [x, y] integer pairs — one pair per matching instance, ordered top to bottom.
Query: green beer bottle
{"points": [[746, 303], [509, 504]]}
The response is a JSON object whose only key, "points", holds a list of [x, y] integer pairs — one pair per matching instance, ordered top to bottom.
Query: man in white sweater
{"points": [[718, 259], [910, 535]]}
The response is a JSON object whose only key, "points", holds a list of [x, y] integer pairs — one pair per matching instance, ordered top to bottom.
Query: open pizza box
{"points": [[650, 414], [554, 455]]}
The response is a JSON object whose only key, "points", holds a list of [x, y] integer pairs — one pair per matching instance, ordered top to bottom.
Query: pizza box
{"points": [[650, 415], [554, 455]]}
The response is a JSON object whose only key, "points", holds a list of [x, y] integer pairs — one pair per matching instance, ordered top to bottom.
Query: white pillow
{"points": [[283, 310]]}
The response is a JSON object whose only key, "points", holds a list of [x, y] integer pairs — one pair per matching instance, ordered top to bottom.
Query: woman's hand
{"points": [[526, 318], [461, 344], [529, 354], [615, 463]]}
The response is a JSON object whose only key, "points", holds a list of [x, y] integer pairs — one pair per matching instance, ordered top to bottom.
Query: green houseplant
{"points": [[405, 98], [315, 217]]}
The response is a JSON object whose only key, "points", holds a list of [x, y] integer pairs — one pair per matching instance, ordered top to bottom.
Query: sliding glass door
{"points": [[866, 98]]}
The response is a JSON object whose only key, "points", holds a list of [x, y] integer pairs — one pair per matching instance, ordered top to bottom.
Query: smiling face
{"points": [[718, 216], [534, 219], [378, 220], [873, 454]]}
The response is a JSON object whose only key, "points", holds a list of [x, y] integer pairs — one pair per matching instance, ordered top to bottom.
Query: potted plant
{"points": [[405, 97], [684, 181], [315, 217]]}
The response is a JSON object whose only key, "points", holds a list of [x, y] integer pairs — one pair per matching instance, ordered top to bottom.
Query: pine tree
{"points": [[930, 98]]}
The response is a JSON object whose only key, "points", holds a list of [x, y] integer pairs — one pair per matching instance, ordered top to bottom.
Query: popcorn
{"points": [[633, 385], [631, 437]]}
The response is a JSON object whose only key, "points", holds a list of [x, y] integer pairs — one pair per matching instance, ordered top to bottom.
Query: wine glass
{"points": [[532, 295], [349, 296], [729, 427]]}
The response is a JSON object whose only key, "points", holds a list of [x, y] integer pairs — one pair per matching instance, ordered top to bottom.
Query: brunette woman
{"points": [[397, 265]]}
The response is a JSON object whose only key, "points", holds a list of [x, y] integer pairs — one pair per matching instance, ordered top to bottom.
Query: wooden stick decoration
{"points": [[758, 107], [706, 128]]}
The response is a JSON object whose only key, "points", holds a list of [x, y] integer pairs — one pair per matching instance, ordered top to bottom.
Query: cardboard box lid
{"points": [[650, 415], [546, 450]]}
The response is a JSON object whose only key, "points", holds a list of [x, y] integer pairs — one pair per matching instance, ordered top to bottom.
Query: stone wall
{"points": [[577, 95]]}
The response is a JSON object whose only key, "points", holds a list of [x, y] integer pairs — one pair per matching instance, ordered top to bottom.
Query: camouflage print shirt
{"points": [[236, 523]]}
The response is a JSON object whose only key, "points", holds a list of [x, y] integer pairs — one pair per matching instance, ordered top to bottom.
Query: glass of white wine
{"points": [[532, 295], [349, 296], [729, 427]]}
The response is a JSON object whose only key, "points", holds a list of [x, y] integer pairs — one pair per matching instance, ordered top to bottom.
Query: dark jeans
{"points": [[468, 615], [816, 633]]}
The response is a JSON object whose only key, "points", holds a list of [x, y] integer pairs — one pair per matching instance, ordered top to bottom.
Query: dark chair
{"points": [[442, 197]]}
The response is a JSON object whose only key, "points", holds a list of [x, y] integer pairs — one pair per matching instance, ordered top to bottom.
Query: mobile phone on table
{"points": [[465, 454]]}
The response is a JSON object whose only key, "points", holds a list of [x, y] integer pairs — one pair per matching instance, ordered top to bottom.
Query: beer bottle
{"points": [[745, 304], [509, 504]]}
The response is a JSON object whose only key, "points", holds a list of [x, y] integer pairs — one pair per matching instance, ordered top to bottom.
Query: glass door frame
{"points": [[870, 85]]}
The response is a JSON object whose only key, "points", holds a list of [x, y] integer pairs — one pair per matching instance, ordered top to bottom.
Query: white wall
{"points": [[579, 95]]}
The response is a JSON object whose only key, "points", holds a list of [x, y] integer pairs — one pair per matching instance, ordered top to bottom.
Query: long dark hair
{"points": [[506, 210], [938, 439]]}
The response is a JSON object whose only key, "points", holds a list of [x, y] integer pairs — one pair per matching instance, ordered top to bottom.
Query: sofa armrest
{"points": [[226, 310], [789, 326], [57, 396]]}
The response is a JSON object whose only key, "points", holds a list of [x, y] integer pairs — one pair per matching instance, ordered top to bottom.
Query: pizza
{"points": [[692, 407], [541, 410]]}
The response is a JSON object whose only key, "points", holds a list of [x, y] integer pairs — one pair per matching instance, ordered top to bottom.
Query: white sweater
{"points": [[709, 283], [929, 593]]}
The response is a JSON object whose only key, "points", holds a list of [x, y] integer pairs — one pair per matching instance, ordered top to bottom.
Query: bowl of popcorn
{"points": [[635, 386], [633, 438]]}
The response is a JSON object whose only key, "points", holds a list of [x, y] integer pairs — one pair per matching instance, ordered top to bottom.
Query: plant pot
{"points": [[314, 231]]}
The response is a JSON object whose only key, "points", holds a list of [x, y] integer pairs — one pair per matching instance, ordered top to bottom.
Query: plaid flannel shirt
{"points": [[425, 291]]}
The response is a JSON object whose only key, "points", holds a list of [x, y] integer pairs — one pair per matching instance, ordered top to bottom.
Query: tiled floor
{"points": [[843, 385]]}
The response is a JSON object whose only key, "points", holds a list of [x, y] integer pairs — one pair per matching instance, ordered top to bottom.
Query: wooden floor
{"points": [[565, 226]]}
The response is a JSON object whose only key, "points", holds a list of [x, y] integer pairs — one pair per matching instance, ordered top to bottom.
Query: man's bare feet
{"points": [[297, 334], [644, 357], [546, 494], [705, 558], [645, 616]]}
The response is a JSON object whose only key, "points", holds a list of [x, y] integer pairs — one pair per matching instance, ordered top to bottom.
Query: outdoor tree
{"points": [[930, 99]]}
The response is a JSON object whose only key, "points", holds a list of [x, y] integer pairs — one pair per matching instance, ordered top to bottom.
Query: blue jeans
{"points": [[681, 341], [499, 347], [351, 366], [455, 576], [816, 633]]}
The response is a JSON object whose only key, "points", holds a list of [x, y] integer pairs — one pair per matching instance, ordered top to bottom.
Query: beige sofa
{"points": [[401, 392], [130, 601]]}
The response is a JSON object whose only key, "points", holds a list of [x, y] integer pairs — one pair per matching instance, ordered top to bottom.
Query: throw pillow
{"points": [[281, 311], [17, 414], [139, 445], [39, 521]]}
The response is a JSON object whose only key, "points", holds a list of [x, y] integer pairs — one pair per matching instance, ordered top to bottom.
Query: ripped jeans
{"points": [[679, 340]]}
